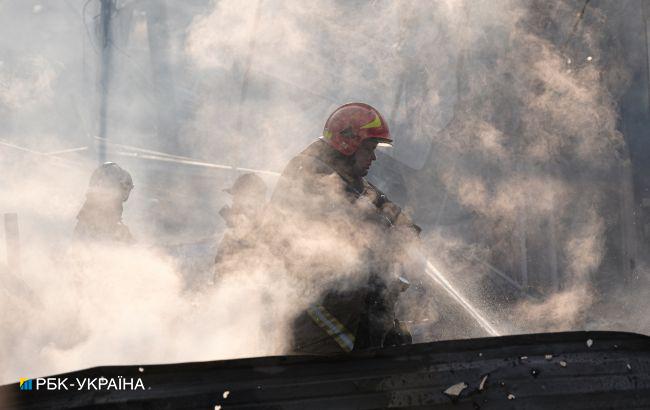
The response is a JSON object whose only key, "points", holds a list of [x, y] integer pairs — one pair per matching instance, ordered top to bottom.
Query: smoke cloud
{"points": [[507, 154]]}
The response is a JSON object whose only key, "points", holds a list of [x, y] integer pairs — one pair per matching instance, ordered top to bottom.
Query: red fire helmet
{"points": [[351, 124]]}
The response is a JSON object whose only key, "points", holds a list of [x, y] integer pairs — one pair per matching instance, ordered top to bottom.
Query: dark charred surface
{"points": [[541, 371]]}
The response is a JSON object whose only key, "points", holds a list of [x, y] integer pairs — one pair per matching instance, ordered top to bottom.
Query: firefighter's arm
{"points": [[389, 210], [399, 218]]}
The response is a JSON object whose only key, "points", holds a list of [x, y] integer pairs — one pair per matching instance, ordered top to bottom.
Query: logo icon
{"points": [[25, 384]]}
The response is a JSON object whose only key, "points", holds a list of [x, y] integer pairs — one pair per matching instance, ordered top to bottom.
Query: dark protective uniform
{"points": [[100, 217], [101, 220], [242, 220], [237, 239], [354, 310]]}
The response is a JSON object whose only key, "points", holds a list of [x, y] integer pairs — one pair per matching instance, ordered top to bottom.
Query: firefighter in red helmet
{"points": [[340, 237]]}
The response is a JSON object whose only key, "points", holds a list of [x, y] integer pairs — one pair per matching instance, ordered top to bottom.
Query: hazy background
{"points": [[521, 132]]}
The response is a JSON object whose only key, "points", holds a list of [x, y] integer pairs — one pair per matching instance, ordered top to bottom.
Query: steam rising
{"points": [[504, 117]]}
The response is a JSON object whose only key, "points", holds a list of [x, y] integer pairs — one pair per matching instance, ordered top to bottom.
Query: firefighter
{"points": [[100, 217], [242, 217], [341, 235]]}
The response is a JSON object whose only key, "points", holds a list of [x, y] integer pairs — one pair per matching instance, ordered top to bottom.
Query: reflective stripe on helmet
{"points": [[376, 123], [326, 321]]}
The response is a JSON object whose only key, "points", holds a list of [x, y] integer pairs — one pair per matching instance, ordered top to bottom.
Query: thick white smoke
{"points": [[503, 112]]}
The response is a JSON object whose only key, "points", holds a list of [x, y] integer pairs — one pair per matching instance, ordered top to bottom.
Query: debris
{"points": [[590, 58], [404, 283], [590, 342], [480, 354], [548, 356], [523, 358], [562, 363], [629, 367], [141, 369], [535, 372], [481, 385], [455, 390], [226, 393], [511, 396]]}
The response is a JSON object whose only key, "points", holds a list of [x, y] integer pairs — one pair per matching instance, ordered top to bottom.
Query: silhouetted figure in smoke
{"points": [[100, 217], [241, 217], [340, 234]]}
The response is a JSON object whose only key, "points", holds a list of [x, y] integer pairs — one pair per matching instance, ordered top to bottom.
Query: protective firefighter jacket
{"points": [[101, 220], [335, 234], [238, 241]]}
